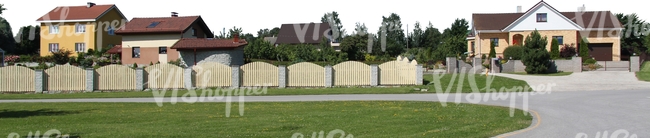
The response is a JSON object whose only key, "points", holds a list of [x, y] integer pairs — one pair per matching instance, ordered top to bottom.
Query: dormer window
{"points": [[541, 17], [193, 32]]}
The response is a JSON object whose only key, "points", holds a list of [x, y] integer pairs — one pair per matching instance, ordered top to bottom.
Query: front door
{"points": [[162, 54]]}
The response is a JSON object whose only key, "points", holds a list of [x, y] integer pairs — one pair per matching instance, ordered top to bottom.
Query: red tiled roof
{"points": [[75, 12], [499, 21], [166, 25], [208, 43], [117, 49]]}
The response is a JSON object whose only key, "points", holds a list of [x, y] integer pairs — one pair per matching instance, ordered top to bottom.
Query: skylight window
{"points": [[153, 24]]}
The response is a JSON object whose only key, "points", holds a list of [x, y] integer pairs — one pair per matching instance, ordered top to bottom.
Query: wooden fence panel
{"points": [[351, 73], [397, 73], [212, 74], [259, 74], [306, 74], [165, 76], [115, 77], [65, 78], [16, 79]]}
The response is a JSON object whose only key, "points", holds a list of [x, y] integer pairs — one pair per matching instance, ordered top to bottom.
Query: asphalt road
{"points": [[556, 114]]}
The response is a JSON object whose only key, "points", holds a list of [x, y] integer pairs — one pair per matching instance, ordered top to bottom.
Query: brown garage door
{"points": [[601, 51]]}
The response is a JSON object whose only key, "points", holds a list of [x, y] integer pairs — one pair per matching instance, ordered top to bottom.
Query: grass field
{"points": [[644, 73], [549, 74], [444, 82], [282, 119]]}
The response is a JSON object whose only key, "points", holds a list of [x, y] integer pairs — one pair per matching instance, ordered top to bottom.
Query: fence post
{"points": [[577, 64], [635, 64], [451, 65], [478, 65], [494, 67], [374, 75], [419, 75], [236, 76], [282, 76], [329, 76], [187, 78], [90, 79], [139, 79], [39, 84]]}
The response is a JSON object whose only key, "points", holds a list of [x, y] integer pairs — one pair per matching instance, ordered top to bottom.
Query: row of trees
{"points": [[26, 42]]}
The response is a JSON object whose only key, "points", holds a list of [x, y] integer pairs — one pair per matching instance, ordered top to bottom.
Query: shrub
{"points": [[555, 49], [568, 51], [584, 51], [493, 52], [514, 52], [62, 56], [483, 56], [369, 57], [11, 58], [25, 58], [590, 61], [86, 62], [42, 66], [134, 66]]}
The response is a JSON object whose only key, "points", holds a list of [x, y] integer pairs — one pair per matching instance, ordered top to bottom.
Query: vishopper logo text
{"points": [[604, 28], [301, 33], [491, 93], [207, 94], [621, 133]]}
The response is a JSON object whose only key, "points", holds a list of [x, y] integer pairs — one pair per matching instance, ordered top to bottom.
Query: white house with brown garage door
{"points": [[601, 29]]}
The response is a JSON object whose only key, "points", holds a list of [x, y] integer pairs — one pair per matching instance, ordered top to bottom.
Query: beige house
{"points": [[601, 29], [149, 40]]}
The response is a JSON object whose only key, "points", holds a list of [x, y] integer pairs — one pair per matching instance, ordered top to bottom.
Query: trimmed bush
{"points": [[555, 49], [584, 50], [568, 51], [514, 52], [536, 58], [590, 61]]}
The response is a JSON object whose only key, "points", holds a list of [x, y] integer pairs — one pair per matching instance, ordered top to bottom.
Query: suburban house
{"points": [[79, 28], [600, 29], [306, 33], [148, 40], [195, 51]]}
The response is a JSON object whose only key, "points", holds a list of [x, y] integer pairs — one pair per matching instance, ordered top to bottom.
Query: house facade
{"points": [[79, 28], [600, 29], [306, 33], [148, 40]]}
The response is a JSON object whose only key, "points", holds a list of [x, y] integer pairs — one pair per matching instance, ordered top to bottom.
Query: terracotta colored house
{"points": [[79, 28], [601, 29], [148, 40], [195, 51]]}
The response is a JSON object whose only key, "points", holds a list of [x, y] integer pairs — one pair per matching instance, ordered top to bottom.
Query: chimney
{"points": [[90, 4], [519, 9], [582, 9], [174, 14], [236, 38]]}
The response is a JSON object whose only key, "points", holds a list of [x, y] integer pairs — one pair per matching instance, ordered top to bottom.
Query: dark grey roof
{"points": [[289, 35]]}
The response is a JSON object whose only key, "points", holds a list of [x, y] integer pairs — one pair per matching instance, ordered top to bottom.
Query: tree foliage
{"points": [[337, 27], [268, 33], [632, 38], [28, 40], [355, 46], [555, 49], [584, 50], [568, 51], [493, 52], [515, 52], [536, 58]]}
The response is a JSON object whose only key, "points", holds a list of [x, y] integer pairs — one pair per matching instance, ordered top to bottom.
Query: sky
{"points": [[252, 16]]}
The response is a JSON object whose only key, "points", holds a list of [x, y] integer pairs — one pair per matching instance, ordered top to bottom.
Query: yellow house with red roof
{"points": [[79, 28]]}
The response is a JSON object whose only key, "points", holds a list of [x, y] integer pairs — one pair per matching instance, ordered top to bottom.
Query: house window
{"points": [[541, 17], [153, 24], [80, 28], [54, 29], [111, 31], [193, 32], [560, 39], [495, 41], [54, 47], [80, 47], [162, 50], [135, 52]]}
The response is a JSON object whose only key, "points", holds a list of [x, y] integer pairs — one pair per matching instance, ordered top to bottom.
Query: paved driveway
{"points": [[585, 81], [556, 114]]}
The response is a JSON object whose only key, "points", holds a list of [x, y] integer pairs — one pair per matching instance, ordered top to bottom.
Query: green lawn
{"points": [[644, 73], [549, 74], [445, 81], [282, 119]]}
